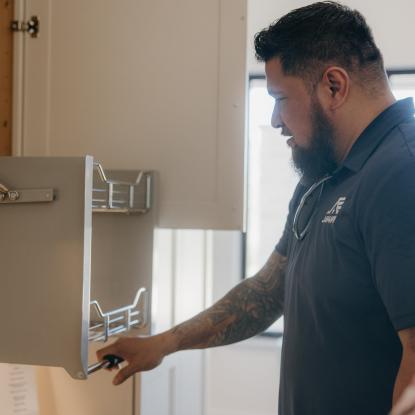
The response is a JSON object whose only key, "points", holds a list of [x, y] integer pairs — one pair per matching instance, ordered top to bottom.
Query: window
{"points": [[402, 83], [271, 179], [271, 182]]}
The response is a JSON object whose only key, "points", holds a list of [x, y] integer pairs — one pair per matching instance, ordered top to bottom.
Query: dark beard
{"points": [[319, 159]]}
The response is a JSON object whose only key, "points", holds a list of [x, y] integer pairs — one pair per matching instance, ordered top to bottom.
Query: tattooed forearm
{"points": [[246, 310]]}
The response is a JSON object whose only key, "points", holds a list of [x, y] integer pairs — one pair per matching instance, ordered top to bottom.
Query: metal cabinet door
{"points": [[48, 251], [45, 256]]}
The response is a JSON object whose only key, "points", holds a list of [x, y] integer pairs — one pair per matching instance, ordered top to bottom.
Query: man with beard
{"points": [[342, 273]]}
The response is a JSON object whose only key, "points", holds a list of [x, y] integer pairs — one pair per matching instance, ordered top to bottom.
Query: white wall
{"points": [[392, 24]]}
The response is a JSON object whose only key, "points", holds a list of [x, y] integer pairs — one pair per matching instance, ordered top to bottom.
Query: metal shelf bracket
{"points": [[8, 196], [121, 196], [120, 320]]}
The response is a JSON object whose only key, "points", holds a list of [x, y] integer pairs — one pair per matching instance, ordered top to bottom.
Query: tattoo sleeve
{"points": [[246, 310]]}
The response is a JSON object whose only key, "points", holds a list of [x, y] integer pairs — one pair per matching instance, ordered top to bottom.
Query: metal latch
{"points": [[31, 26], [25, 195], [108, 362]]}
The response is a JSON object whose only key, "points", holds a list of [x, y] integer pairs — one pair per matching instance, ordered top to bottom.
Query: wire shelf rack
{"points": [[126, 192], [104, 325]]}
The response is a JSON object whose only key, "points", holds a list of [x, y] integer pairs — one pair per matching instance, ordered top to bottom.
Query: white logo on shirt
{"points": [[331, 214]]}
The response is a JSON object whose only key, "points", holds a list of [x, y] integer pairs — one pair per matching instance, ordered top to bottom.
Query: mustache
{"points": [[285, 132]]}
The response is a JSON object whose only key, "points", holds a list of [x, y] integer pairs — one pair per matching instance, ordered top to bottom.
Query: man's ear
{"points": [[335, 85]]}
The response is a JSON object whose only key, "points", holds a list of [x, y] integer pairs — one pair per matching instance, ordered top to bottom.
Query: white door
{"points": [[156, 85], [181, 261]]}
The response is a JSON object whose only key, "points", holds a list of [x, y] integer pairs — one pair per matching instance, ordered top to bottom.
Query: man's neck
{"points": [[358, 120]]}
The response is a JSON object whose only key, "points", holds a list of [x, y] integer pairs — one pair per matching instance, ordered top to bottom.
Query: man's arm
{"points": [[246, 310], [407, 367], [406, 402]]}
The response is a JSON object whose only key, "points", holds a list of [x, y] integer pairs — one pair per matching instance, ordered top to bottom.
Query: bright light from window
{"points": [[403, 85], [271, 181]]}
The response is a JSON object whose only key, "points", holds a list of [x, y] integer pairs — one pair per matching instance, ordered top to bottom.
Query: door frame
{"points": [[18, 39], [6, 70]]}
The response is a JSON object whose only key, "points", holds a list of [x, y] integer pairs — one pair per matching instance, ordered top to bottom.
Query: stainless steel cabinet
{"points": [[57, 225]]}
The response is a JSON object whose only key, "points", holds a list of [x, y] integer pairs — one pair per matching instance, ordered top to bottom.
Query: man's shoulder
{"points": [[407, 134], [395, 153], [389, 173]]}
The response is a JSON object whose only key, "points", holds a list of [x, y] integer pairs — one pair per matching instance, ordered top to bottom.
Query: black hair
{"points": [[325, 32]]}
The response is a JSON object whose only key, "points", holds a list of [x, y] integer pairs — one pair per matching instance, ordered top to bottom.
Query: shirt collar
{"points": [[375, 132]]}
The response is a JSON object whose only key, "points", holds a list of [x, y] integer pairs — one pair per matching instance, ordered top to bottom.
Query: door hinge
{"points": [[31, 26]]}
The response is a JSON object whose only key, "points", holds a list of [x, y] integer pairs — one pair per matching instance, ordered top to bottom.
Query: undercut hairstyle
{"points": [[310, 38]]}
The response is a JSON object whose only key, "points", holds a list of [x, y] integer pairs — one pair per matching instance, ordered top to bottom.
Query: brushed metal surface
{"points": [[45, 256]]}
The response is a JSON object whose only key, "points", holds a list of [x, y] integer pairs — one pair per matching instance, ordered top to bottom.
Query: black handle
{"points": [[113, 360]]}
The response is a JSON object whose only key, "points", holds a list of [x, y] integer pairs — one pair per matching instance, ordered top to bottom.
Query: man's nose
{"points": [[275, 118]]}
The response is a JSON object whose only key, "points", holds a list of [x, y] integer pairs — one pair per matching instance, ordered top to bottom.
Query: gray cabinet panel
{"points": [[47, 252], [45, 264]]}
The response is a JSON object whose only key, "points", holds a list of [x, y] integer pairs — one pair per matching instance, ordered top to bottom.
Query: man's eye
{"points": [[279, 99]]}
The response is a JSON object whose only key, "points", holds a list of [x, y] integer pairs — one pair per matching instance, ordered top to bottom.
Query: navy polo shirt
{"points": [[350, 283]]}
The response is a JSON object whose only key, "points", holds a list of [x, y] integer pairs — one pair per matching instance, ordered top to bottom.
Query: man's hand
{"points": [[246, 310], [141, 353], [406, 403]]}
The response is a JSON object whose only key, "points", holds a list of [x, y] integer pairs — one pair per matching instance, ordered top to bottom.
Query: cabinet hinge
{"points": [[31, 26]]}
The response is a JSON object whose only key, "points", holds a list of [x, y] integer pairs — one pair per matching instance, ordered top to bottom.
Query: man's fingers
{"points": [[111, 349], [123, 375]]}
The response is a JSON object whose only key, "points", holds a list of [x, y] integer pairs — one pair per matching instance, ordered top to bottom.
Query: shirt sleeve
{"points": [[388, 232], [282, 246]]}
